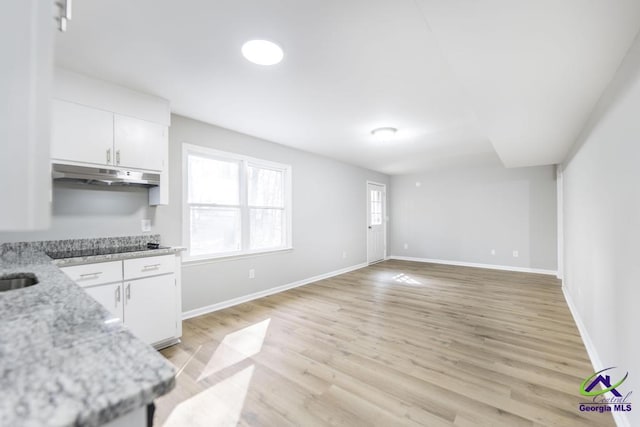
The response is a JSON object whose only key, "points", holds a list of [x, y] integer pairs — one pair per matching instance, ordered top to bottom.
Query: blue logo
{"points": [[604, 380], [597, 386]]}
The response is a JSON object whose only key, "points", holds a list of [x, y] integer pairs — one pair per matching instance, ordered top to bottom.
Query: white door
{"points": [[81, 134], [139, 144], [376, 223], [110, 296], [150, 308]]}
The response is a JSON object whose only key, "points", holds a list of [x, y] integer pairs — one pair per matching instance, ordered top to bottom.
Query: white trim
{"points": [[384, 218], [560, 219], [205, 259], [210, 260], [476, 265], [261, 294], [596, 362], [619, 417]]}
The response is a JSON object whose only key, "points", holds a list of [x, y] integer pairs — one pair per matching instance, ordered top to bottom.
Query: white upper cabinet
{"points": [[26, 49], [100, 123], [81, 134], [139, 143]]}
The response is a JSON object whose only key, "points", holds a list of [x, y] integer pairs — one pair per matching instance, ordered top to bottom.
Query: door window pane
{"points": [[213, 181], [266, 187], [376, 207], [266, 228], [215, 230]]}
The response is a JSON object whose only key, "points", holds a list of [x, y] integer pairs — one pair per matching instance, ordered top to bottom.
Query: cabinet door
{"points": [[26, 49], [81, 134], [139, 144], [110, 296], [150, 308]]}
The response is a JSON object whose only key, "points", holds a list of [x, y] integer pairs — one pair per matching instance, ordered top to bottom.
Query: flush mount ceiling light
{"points": [[262, 52], [384, 134]]}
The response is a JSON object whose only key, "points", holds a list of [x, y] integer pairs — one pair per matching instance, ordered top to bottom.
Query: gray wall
{"points": [[81, 211], [461, 215], [329, 217], [602, 224]]}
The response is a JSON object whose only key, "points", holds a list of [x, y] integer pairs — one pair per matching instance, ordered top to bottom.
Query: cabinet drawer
{"points": [[150, 266], [95, 274]]}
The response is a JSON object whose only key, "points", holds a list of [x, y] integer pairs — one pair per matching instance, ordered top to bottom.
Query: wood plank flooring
{"points": [[397, 343]]}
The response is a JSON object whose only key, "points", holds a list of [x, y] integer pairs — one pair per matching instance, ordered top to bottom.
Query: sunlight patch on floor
{"points": [[405, 279], [236, 347], [218, 405]]}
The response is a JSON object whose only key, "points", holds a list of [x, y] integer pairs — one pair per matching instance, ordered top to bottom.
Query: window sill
{"points": [[193, 261]]}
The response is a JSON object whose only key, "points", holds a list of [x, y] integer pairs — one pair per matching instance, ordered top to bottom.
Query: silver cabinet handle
{"points": [[67, 9], [65, 13], [109, 156], [117, 157], [151, 266], [97, 273], [128, 291], [117, 295]]}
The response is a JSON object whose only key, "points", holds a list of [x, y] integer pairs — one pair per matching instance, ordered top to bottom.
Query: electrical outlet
{"points": [[145, 225], [406, 246], [493, 251], [344, 254], [516, 254], [252, 273]]}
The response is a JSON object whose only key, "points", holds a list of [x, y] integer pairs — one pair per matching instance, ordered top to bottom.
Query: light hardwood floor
{"points": [[396, 343]]}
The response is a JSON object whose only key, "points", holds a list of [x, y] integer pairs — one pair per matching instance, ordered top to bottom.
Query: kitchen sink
{"points": [[17, 281]]}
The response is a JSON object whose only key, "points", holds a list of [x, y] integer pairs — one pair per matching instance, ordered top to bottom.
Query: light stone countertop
{"points": [[66, 262], [63, 360]]}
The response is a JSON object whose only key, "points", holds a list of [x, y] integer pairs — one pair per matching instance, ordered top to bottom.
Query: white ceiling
{"points": [[475, 80]]}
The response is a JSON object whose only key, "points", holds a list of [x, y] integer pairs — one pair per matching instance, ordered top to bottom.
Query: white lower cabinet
{"points": [[110, 296], [149, 304], [148, 307]]}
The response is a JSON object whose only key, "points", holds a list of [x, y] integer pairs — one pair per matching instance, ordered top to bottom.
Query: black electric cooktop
{"points": [[102, 251]]}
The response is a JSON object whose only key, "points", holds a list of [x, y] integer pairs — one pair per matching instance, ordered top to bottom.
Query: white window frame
{"points": [[244, 161]]}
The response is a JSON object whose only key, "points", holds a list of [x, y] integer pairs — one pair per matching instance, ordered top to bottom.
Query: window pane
{"points": [[213, 181], [266, 187], [376, 207], [266, 228], [214, 230]]}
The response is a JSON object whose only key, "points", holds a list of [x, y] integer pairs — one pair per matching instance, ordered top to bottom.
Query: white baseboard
{"points": [[477, 265], [246, 298], [596, 362], [619, 417]]}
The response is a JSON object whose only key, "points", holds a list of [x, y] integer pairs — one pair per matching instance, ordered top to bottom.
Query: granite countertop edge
{"points": [[68, 262], [64, 359]]}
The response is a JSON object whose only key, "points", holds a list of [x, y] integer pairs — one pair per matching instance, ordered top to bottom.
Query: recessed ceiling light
{"points": [[262, 52], [385, 133]]}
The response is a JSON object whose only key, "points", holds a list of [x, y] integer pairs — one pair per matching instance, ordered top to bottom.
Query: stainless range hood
{"points": [[104, 176]]}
